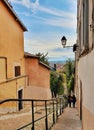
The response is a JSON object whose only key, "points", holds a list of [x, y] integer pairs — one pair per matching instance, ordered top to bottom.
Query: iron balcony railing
{"points": [[51, 110]]}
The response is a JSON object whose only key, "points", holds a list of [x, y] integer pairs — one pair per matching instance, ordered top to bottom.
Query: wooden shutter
{"points": [[17, 71]]}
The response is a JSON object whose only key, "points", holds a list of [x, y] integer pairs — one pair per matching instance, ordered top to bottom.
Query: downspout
{"points": [[5, 65]]}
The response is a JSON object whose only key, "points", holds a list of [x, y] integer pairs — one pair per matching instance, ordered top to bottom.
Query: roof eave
{"points": [[15, 15], [29, 55], [45, 65]]}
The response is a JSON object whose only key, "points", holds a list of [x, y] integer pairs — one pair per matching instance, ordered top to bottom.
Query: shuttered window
{"points": [[85, 23], [17, 71]]}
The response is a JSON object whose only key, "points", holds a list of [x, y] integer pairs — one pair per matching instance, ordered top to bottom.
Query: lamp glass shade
{"points": [[63, 40]]}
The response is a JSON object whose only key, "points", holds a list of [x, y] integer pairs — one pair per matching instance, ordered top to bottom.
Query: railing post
{"points": [[62, 104], [60, 107], [56, 109], [53, 113], [32, 115], [46, 119]]}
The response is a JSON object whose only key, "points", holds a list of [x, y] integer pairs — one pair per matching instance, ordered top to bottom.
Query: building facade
{"points": [[85, 63], [12, 65], [21, 76], [38, 78]]}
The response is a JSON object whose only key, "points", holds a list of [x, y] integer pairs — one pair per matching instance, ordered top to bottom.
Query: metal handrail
{"points": [[56, 106]]}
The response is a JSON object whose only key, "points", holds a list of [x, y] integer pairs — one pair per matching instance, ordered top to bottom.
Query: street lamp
{"points": [[64, 40]]}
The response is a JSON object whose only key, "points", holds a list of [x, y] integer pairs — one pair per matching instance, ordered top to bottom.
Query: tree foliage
{"points": [[43, 57], [69, 71], [63, 81], [56, 84]]}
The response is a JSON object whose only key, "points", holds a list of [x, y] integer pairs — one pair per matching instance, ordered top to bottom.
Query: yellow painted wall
{"points": [[11, 40], [11, 47], [2, 69], [10, 90]]}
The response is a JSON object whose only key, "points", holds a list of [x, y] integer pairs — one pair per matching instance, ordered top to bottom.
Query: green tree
{"points": [[43, 57], [69, 71], [56, 83], [60, 85]]}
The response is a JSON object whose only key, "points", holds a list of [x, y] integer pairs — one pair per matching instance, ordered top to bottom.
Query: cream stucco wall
{"points": [[85, 66], [85, 74], [88, 122]]}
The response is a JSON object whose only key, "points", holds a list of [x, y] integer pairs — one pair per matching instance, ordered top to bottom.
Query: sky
{"points": [[47, 21]]}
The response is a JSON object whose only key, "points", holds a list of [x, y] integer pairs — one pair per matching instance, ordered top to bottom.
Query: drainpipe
{"points": [[5, 64]]}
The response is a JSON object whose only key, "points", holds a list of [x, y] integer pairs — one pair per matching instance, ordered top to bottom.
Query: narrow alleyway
{"points": [[69, 120]]}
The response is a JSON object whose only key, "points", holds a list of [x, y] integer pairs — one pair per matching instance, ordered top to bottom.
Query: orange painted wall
{"points": [[31, 66], [38, 74], [44, 76], [39, 80]]}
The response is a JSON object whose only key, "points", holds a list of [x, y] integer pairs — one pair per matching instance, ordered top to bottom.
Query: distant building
{"points": [[85, 64], [53, 66], [56, 66], [60, 67], [38, 78]]}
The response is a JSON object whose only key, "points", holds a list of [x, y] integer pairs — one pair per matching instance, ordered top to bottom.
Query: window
{"points": [[85, 23], [93, 23], [17, 71]]}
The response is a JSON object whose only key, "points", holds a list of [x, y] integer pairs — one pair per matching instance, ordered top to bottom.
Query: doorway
{"points": [[20, 96], [80, 100]]}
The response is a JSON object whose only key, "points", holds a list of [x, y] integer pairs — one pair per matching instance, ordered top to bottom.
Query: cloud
{"points": [[27, 3], [35, 6], [56, 12], [25, 13], [59, 18], [57, 21], [60, 22], [49, 41], [59, 49], [54, 51], [61, 56]]}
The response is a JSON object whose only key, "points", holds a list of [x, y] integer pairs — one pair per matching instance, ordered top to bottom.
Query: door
{"points": [[20, 95], [80, 100]]}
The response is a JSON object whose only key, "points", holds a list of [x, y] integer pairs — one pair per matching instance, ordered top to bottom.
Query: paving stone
{"points": [[69, 120]]}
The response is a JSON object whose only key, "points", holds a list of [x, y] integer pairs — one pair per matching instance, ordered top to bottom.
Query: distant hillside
{"points": [[57, 62], [58, 65]]}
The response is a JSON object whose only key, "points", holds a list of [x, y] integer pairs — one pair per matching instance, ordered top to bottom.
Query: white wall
{"points": [[86, 75]]}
